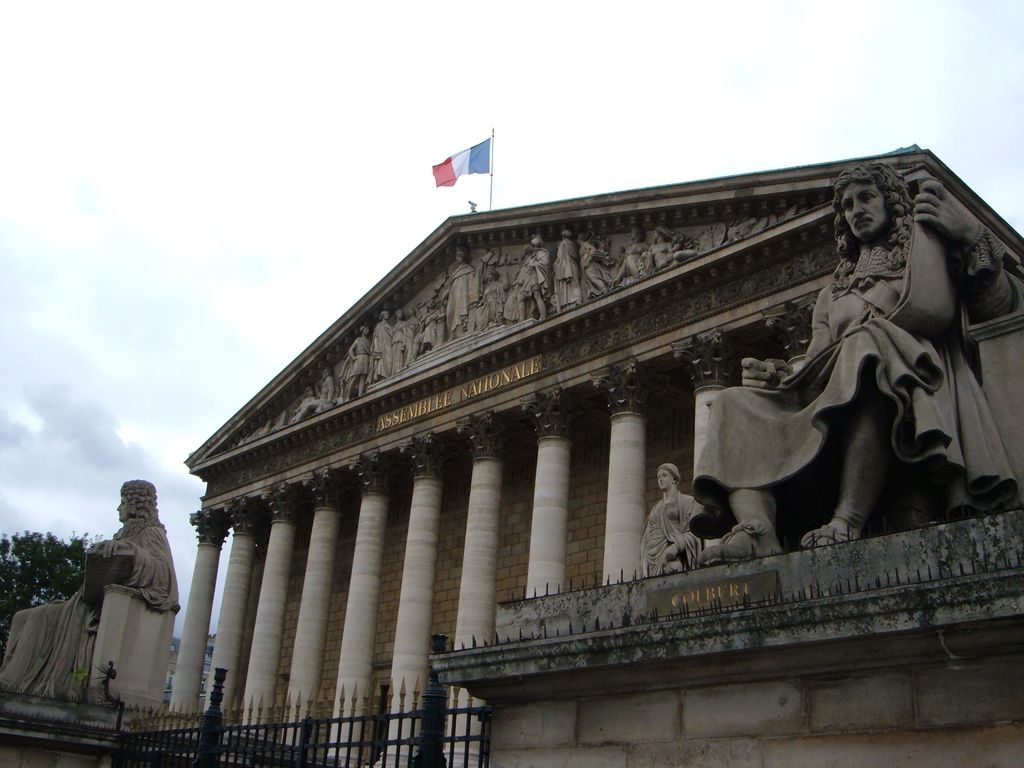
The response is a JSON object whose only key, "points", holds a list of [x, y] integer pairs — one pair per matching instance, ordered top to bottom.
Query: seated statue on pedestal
{"points": [[888, 412], [50, 647]]}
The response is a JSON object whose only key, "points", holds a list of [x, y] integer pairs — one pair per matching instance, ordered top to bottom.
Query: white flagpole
{"points": [[490, 199]]}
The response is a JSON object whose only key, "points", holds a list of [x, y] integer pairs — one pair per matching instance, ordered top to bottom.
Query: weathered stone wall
{"points": [[965, 712]]}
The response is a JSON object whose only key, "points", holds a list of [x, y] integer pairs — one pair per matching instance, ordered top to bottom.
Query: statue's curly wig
{"points": [[898, 203], [141, 498]]}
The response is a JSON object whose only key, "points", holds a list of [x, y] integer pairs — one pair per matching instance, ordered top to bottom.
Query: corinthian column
{"points": [[710, 362], [626, 388], [245, 518], [211, 527], [546, 570], [477, 600], [311, 629], [412, 629], [355, 663], [261, 678]]}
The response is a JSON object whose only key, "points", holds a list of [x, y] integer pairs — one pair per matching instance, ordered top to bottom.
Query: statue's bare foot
{"points": [[833, 532], [744, 542]]}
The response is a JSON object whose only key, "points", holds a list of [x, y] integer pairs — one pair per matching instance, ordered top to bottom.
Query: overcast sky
{"points": [[190, 193]]}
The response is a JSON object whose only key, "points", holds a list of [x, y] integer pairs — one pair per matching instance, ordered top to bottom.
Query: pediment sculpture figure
{"points": [[633, 266], [597, 268], [566, 274], [532, 284], [493, 294], [459, 295], [403, 339], [381, 344], [355, 370], [317, 398], [887, 405], [667, 544], [50, 647]]}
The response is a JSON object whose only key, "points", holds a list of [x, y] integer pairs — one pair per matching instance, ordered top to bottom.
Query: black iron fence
{"points": [[435, 731]]}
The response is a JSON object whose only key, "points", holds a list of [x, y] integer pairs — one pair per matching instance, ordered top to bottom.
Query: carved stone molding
{"points": [[791, 322], [708, 356], [627, 387], [552, 412], [486, 433], [427, 455], [374, 471], [284, 502], [211, 526]]}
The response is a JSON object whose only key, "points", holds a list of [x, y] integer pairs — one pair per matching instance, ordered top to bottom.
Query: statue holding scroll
{"points": [[887, 409], [50, 648]]}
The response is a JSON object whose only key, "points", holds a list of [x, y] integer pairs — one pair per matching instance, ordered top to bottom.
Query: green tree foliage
{"points": [[37, 568]]}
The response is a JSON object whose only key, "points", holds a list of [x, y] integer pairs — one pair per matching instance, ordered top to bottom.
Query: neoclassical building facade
{"points": [[487, 424]]}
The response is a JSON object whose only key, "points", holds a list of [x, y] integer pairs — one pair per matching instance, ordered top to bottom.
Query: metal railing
{"points": [[435, 731]]}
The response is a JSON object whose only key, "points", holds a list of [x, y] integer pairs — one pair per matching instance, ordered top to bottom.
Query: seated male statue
{"points": [[887, 403], [50, 647]]}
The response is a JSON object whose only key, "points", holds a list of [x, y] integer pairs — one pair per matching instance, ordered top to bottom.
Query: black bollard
{"points": [[208, 752], [431, 754]]}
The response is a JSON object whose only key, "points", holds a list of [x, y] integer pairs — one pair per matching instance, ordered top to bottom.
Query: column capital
{"points": [[791, 323], [708, 356], [626, 386], [551, 411], [486, 433], [427, 455], [374, 471], [324, 486], [284, 501], [246, 515], [211, 526]]}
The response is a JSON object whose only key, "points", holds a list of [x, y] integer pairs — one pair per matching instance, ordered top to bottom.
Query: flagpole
{"points": [[490, 199]]}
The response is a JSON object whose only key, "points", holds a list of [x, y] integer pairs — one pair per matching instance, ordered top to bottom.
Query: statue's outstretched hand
{"points": [[938, 209], [763, 374]]}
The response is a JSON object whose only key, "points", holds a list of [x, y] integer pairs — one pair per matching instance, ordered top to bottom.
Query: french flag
{"points": [[476, 159]]}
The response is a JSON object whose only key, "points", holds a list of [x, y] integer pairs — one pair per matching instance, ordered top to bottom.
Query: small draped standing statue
{"points": [[667, 545], [50, 647]]}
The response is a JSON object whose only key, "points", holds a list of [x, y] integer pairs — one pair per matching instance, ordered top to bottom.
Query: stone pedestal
{"points": [[137, 639]]}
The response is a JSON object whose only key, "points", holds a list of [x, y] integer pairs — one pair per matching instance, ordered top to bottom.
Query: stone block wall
{"points": [[967, 712]]}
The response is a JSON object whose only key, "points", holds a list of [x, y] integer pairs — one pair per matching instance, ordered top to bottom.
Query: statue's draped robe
{"points": [[567, 276], [461, 296], [787, 439], [669, 524], [49, 651]]}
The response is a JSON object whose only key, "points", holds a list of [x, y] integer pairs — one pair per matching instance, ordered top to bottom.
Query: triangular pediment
{"points": [[481, 278]]}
